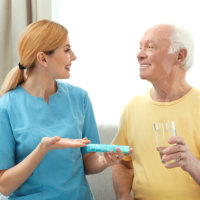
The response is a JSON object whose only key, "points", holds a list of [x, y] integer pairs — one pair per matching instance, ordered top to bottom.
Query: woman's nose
{"points": [[72, 55]]}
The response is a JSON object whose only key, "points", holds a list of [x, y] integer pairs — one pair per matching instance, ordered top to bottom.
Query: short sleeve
{"points": [[90, 127], [121, 137], [7, 142]]}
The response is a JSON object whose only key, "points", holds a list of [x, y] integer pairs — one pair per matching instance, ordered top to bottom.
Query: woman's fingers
{"points": [[54, 139], [49, 140], [85, 140], [62, 143], [72, 143], [130, 152], [120, 154], [113, 158]]}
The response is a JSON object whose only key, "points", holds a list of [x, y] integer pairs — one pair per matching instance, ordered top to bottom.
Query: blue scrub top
{"points": [[26, 119]]}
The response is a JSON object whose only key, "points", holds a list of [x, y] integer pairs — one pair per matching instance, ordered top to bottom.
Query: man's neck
{"points": [[167, 93]]}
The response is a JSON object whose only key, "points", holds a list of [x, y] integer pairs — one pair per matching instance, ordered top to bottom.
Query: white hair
{"points": [[182, 38]]}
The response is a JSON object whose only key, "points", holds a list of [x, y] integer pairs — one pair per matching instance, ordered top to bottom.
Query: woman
{"points": [[45, 124]]}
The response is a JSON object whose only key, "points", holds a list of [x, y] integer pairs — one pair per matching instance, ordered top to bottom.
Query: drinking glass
{"points": [[163, 131]]}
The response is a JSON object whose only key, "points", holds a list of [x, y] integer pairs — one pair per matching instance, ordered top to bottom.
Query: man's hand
{"points": [[181, 153]]}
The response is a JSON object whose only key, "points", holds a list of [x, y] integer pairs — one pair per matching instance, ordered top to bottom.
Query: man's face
{"points": [[155, 61]]}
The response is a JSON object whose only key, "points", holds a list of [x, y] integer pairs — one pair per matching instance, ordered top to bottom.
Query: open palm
{"points": [[62, 143]]}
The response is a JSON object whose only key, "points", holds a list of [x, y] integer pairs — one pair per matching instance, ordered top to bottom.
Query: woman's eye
{"points": [[150, 47], [67, 50]]}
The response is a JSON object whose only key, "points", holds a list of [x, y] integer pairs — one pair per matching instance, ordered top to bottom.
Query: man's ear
{"points": [[181, 56], [42, 58]]}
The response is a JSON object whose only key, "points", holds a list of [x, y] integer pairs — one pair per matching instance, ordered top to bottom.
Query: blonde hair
{"points": [[41, 36]]}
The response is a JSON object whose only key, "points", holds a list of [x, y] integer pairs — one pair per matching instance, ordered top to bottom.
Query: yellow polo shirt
{"points": [[152, 181]]}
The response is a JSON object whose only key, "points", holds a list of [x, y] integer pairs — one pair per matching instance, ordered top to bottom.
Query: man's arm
{"points": [[122, 175]]}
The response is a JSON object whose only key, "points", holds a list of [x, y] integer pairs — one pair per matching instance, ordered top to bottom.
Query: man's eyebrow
{"points": [[150, 41], [146, 42]]}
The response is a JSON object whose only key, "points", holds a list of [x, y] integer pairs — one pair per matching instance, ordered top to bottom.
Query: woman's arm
{"points": [[94, 163], [14, 177]]}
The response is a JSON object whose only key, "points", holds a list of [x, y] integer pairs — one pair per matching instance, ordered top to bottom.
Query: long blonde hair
{"points": [[44, 36]]}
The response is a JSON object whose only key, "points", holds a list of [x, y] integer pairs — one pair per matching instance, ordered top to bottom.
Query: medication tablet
{"points": [[107, 148]]}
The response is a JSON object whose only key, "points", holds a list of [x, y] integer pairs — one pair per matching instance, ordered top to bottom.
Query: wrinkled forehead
{"points": [[158, 34]]}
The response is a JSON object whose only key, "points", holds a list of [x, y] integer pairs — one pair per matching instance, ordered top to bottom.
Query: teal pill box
{"points": [[106, 148]]}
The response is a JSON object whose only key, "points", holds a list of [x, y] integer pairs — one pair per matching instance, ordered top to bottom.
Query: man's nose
{"points": [[141, 55]]}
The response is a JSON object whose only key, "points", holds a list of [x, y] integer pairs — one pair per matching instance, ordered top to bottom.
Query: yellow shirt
{"points": [[152, 181]]}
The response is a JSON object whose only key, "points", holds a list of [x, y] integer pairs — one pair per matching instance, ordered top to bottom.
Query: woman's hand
{"points": [[63, 143], [114, 158], [95, 163], [23, 170]]}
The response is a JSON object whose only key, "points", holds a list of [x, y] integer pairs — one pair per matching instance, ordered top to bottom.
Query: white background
{"points": [[105, 35]]}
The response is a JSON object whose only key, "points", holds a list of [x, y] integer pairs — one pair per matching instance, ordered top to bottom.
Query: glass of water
{"points": [[163, 131]]}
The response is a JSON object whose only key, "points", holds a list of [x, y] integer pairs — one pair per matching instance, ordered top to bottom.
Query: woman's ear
{"points": [[181, 56], [42, 58]]}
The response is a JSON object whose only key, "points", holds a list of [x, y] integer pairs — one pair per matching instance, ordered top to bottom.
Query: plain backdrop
{"points": [[105, 35]]}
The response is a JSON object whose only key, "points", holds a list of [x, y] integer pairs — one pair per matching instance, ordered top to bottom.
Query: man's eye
{"points": [[150, 47], [67, 50]]}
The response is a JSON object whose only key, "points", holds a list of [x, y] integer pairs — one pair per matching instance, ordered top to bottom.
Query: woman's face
{"points": [[59, 63]]}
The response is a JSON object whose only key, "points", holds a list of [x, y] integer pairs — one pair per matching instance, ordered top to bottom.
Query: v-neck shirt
{"points": [[26, 119]]}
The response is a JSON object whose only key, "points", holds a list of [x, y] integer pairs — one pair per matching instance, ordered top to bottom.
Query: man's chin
{"points": [[143, 77]]}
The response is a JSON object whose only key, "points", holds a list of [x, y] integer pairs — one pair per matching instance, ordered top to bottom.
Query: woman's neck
{"points": [[40, 86]]}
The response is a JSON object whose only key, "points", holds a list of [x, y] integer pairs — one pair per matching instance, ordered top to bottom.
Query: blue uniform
{"points": [[26, 119]]}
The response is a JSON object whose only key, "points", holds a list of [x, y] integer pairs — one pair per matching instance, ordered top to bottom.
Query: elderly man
{"points": [[166, 53]]}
